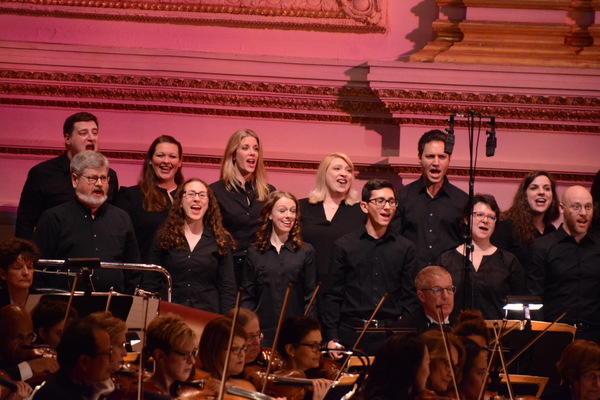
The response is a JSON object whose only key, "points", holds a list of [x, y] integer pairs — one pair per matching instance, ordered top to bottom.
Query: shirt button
{"points": [[431, 214], [94, 235], [430, 246], [96, 249], [190, 256]]}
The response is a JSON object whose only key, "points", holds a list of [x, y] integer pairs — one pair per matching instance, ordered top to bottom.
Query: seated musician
{"points": [[17, 258], [435, 290], [48, 318], [250, 323], [470, 324], [116, 329], [172, 344], [300, 344], [213, 348], [84, 355], [15, 359], [440, 368], [579, 369], [400, 370], [474, 370]]}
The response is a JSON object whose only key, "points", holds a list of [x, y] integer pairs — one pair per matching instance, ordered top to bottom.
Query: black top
{"points": [[49, 184], [240, 210], [145, 224], [432, 224], [69, 231], [321, 233], [503, 238], [362, 270], [499, 275], [567, 276], [202, 278], [265, 280], [420, 322], [60, 386]]}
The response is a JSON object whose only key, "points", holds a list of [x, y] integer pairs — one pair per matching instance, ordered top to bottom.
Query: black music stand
{"points": [[87, 304]]}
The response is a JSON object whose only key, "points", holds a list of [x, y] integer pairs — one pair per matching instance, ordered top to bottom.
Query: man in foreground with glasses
{"points": [[48, 184], [430, 208], [88, 227], [367, 264], [565, 268], [435, 291], [17, 334], [85, 357]]}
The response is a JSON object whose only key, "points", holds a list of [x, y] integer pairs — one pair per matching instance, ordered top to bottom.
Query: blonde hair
{"points": [[228, 168], [320, 190], [113, 325], [167, 331]]}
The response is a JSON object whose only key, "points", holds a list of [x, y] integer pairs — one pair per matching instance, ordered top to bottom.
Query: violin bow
{"points": [[110, 293], [71, 298], [312, 299], [276, 339], [230, 344], [447, 348], [143, 351], [502, 362], [487, 371]]}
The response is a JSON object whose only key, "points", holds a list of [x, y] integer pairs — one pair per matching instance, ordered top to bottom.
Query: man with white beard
{"points": [[88, 227]]}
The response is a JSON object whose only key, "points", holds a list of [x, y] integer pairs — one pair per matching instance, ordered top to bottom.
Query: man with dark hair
{"points": [[48, 184], [430, 209], [88, 227], [365, 265], [84, 356]]}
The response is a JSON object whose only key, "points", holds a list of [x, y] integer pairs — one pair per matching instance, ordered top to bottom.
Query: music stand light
{"points": [[524, 303]]}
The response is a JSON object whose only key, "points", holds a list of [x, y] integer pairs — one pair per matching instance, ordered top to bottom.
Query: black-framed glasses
{"points": [[94, 178], [190, 194], [380, 202], [481, 216], [438, 290], [258, 336], [30, 338], [315, 347], [236, 351], [109, 353], [187, 356]]}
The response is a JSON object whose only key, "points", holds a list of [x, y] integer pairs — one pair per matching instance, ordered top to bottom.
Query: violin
{"points": [[43, 362], [10, 389]]}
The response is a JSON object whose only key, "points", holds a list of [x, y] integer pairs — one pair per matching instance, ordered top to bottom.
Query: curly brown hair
{"points": [[520, 213], [265, 226], [172, 235]]}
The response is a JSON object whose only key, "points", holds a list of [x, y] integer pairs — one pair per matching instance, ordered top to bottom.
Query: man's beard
{"points": [[91, 201]]}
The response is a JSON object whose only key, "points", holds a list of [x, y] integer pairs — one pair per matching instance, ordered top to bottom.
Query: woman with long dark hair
{"points": [[148, 202], [193, 246]]}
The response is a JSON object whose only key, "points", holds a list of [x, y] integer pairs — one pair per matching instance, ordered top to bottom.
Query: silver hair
{"points": [[87, 159], [432, 270]]}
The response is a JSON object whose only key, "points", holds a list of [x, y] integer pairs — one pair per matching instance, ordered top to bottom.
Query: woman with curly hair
{"points": [[241, 190], [149, 201], [530, 216], [193, 246], [277, 258]]}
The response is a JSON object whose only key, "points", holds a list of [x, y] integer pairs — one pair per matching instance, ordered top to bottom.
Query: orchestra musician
{"points": [[17, 259], [48, 318], [250, 323], [117, 330], [173, 346], [213, 348], [579, 369], [474, 370], [440, 376]]}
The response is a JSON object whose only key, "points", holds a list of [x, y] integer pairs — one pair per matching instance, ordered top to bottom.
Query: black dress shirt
{"points": [[48, 185], [240, 210], [145, 224], [432, 224], [69, 231], [321, 233], [504, 238], [362, 270], [566, 274], [499, 275], [202, 278], [265, 280], [420, 322]]}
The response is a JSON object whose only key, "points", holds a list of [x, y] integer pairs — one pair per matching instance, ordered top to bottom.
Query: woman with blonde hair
{"points": [[240, 191], [148, 202], [331, 208], [193, 246], [278, 257]]}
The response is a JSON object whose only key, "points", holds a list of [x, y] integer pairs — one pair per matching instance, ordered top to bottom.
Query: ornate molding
{"points": [[359, 16], [362, 169]]}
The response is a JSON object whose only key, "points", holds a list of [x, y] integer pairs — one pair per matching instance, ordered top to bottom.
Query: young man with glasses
{"points": [[48, 184], [430, 208], [88, 227], [367, 264], [565, 267], [435, 291], [85, 357]]}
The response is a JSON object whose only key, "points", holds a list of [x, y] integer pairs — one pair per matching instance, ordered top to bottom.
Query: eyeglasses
{"points": [[93, 179], [190, 194], [380, 202], [577, 207], [481, 216], [437, 290], [260, 336], [25, 338], [315, 347], [236, 351], [109, 353], [187, 356], [591, 377]]}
